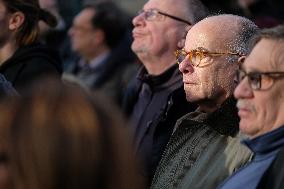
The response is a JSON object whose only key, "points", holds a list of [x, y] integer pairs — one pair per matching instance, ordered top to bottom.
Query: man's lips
{"points": [[137, 34], [187, 82], [244, 109], [243, 112]]}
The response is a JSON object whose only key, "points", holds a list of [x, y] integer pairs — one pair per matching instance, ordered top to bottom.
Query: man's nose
{"points": [[139, 20], [186, 67], [243, 90]]}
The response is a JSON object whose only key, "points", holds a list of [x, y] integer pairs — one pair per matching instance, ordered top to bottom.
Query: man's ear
{"points": [[16, 20], [99, 36], [181, 42], [241, 60]]}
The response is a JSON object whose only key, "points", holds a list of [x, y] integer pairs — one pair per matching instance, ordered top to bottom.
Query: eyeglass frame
{"points": [[155, 11], [203, 52], [257, 86]]}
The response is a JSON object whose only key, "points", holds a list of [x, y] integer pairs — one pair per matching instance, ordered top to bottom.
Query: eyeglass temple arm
{"points": [[175, 18]]}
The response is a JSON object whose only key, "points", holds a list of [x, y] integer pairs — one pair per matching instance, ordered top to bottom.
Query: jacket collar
{"points": [[164, 80], [224, 120], [268, 142]]}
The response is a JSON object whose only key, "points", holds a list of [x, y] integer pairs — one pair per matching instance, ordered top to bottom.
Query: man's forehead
{"points": [[164, 5], [86, 15], [215, 31], [203, 38], [196, 39], [269, 52]]}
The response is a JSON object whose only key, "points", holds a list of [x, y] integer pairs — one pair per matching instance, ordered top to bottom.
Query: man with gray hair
{"points": [[260, 97], [156, 98], [205, 146]]}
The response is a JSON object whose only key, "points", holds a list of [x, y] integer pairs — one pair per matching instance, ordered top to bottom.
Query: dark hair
{"points": [[109, 18], [29, 31], [275, 33], [60, 137]]}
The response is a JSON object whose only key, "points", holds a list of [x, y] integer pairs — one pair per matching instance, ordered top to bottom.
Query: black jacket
{"points": [[29, 63], [151, 138]]}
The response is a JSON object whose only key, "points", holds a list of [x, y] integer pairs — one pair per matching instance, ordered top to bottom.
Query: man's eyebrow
{"points": [[249, 70]]}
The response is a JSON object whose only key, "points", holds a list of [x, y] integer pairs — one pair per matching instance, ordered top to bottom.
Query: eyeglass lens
{"points": [[193, 56], [257, 81]]}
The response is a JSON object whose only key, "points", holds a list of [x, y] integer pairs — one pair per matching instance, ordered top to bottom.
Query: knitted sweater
{"points": [[203, 151]]}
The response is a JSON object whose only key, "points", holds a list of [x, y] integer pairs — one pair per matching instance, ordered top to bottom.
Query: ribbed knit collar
{"points": [[171, 75], [268, 142]]}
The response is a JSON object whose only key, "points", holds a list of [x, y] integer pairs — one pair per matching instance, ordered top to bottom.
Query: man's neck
{"points": [[7, 51], [98, 52], [157, 65], [211, 105]]}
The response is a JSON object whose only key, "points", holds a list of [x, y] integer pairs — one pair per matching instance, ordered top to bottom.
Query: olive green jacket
{"points": [[203, 151]]}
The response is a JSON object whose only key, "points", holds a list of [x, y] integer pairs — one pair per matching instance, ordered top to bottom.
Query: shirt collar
{"points": [[95, 62], [171, 75], [224, 120], [268, 142]]}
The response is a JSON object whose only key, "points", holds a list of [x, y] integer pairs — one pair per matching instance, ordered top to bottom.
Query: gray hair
{"points": [[196, 11], [247, 30], [276, 33]]}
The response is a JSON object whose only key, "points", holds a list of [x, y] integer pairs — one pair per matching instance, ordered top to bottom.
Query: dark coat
{"points": [[29, 63], [161, 123], [274, 176]]}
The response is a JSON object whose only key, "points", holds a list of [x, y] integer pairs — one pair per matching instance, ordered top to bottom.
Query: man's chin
{"points": [[137, 49], [191, 98], [245, 127]]}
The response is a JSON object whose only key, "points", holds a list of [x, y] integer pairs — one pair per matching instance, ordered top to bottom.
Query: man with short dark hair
{"points": [[100, 36], [156, 99], [261, 106], [204, 148]]}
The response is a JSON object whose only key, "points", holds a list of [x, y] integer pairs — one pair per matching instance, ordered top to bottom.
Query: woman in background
{"points": [[59, 137]]}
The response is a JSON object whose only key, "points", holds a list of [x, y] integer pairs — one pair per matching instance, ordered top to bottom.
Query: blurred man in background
{"points": [[99, 35]]}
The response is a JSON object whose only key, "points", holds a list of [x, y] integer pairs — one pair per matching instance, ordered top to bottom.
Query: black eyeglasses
{"points": [[154, 14], [195, 56], [259, 80]]}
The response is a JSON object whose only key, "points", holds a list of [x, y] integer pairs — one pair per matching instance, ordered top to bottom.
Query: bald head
{"points": [[226, 32]]}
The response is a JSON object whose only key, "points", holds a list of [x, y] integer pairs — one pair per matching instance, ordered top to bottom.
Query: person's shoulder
{"points": [[6, 88], [274, 176]]}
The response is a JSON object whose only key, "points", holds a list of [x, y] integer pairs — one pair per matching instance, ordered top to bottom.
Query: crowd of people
{"points": [[175, 97]]}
